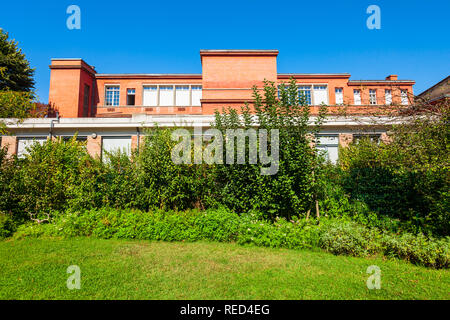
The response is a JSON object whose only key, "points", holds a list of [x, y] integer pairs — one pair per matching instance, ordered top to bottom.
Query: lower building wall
{"points": [[99, 141]]}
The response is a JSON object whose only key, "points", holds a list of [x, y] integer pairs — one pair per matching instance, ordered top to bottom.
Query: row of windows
{"points": [[312, 94], [318, 94], [157, 95], [373, 97], [109, 144], [328, 145]]}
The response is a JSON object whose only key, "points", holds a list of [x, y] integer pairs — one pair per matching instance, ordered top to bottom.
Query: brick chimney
{"points": [[392, 77]]}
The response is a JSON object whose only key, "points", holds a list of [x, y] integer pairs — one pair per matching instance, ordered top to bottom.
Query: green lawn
{"points": [[117, 269]]}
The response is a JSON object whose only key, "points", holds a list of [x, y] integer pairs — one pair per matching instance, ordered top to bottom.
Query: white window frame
{"points": [[173, 85], [311, 90], [341, 91], [118, 92], [372, 96], [404, 96], [388, 97], [359, 101], [325, 146]]}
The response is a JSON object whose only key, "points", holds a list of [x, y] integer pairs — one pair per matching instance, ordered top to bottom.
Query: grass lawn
{"points": [[119, 269]]}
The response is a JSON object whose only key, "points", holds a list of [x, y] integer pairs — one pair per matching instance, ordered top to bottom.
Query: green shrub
{"points": [[164, 184], [291, 190], [7, 226], [336, 236]]}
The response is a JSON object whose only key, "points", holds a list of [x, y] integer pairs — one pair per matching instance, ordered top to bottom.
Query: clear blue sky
{"points": [[166, 36]]}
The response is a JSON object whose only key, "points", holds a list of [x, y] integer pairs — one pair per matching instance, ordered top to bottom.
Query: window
{"points": [[339, 92], [304, 93], [320, 94], [112, 95], [172, 95], [196, 95], [150, 96], [166, 96], [182, 96], [357, 96], [372, 96], [388, 96], [404, 96], [131, 97], [374, 137], [79, 138], [115, 144], [23, 145], [328, 146]]}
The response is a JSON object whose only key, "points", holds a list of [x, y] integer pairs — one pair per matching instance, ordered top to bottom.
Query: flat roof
{"points": [[239, 50]]}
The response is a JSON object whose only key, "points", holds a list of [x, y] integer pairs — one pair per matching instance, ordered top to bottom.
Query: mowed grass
{"points": [[119, 269]]}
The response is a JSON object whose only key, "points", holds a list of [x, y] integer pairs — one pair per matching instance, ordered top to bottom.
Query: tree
{"points": [[15, 71], [291, 191]]}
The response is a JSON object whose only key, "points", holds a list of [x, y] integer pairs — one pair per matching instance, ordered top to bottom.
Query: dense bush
{"points": [[49, 175], [164, 184], [292, 189], [415, 194], [7, 226], [336, 236]]}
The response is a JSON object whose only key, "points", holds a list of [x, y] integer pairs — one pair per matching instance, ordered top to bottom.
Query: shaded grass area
{"points": [[120, 269]]}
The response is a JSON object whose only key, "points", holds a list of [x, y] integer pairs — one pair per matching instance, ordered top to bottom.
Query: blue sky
{"points": [[166, 36]]}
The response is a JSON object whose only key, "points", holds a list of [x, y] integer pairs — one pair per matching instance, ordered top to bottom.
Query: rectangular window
{"points": [[339, 92], [304, 94], [112, 95], [196, 95], [320, 95], [150, 96], [166, 96], [182, 96], [372, 96], [388, 96], [404, 96], [131, 97], [357, 97], [374, 137], [115, 144], [23, 145], [328, 146]]}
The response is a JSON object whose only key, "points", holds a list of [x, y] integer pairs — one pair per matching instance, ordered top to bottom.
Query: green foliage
{"points": [[15, 71], [15, 104], [50, 174], [402, 181], [164, 184], [291, 190], [106, 223], [7, 226], [336, 236]]}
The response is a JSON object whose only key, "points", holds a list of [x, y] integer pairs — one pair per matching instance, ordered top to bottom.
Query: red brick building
{"points": [[110, 110]]}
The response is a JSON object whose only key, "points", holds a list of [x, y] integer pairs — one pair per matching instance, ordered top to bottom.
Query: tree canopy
{"points": [[15, 71]]}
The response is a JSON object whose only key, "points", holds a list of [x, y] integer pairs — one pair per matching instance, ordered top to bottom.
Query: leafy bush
{"points": [[49, 175], [164, 184], [292, 188], [414, 193], [7, 226], [332, 235]]}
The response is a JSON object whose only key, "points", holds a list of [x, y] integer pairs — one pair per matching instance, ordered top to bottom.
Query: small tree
{"points": [[15, 71], [16, 82], [292, 190]]}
